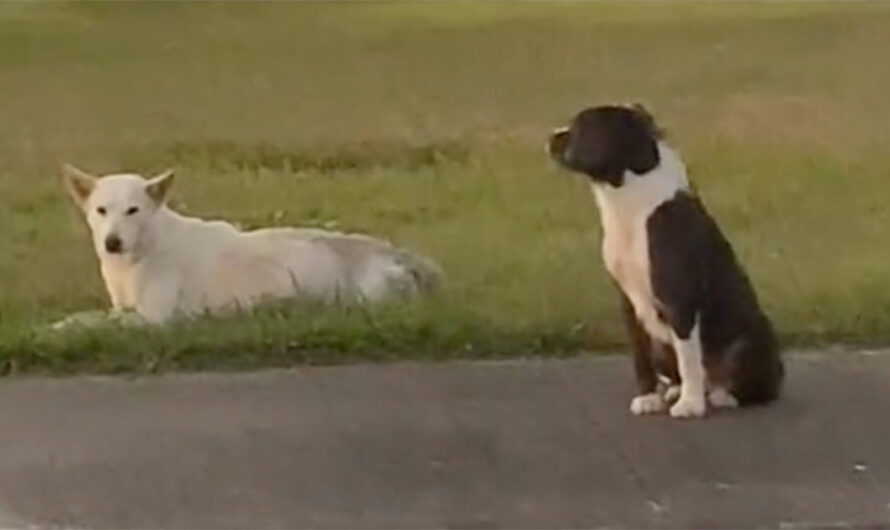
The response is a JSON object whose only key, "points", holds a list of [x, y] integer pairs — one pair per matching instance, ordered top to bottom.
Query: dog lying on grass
{"points": [[162, 265], [691, 312]]}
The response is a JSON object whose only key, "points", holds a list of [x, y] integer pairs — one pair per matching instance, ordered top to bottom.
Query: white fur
{"points": [[624, 211], [172, 265], [692, 375], [672, 393], [721, 398], [652, 403]]}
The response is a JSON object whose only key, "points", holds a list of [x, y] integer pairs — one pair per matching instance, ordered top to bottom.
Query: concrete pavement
{"points": [[462, 445]]}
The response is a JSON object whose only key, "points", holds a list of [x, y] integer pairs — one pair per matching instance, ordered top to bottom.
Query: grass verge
{"points": [[424, 123]]}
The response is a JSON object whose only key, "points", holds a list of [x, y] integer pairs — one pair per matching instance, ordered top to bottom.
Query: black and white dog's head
{"points": [[606, 142]]}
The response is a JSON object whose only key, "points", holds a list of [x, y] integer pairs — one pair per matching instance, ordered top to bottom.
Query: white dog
{"points": [[164, 265]]}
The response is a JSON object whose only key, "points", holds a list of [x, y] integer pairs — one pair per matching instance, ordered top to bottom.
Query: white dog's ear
{"points": [[79, 183], [158, 187]]}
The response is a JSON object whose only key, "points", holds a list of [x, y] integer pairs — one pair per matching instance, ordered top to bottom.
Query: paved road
{"points": [[464, 445]]}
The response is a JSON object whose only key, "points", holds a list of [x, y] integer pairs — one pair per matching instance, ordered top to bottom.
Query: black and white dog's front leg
{"points": [[678, 250], [678, 291], [678, 294], [693, 378], [648, 399]]}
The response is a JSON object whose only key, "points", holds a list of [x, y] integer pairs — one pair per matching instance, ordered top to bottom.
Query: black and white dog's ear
{"points": [[640, 108], [646, 117], [643, 156]]}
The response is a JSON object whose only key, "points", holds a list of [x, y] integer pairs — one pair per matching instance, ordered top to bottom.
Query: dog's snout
{"points": [[556, 144], [113, 244]]}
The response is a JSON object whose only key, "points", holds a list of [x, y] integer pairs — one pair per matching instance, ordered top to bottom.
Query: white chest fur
{"points": [[624, 212]]}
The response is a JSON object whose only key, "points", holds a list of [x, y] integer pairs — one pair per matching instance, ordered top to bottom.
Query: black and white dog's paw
{"points": [[672, 394], [720, 398], [652, 403], [689, 407]]}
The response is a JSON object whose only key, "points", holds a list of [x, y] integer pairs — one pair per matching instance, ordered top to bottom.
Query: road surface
{"points": [[532, 444]]}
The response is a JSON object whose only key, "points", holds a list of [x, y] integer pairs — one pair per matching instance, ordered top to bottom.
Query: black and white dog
{"points": [[691, 312]]}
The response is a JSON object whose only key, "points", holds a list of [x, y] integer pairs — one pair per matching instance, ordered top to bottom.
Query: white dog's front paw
{"points": [[722, 399], [651, 403], [687, 407]]}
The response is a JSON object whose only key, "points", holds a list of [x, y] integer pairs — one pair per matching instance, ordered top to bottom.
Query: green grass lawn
{"points": [[425, 123]]}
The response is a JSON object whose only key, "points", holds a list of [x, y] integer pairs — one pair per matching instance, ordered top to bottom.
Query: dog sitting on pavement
{"points": [[691, 312]]}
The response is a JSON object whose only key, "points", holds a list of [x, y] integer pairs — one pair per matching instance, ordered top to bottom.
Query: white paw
{"points": [[672, 393], [721, 398], [651, 403], [687, 407]]}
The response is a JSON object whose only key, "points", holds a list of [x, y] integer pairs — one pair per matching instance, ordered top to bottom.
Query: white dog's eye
{"points": [[132, 209], [101, 210]]}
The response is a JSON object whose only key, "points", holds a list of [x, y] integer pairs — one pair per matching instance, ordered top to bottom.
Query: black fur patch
{"points": [[695, 274]]}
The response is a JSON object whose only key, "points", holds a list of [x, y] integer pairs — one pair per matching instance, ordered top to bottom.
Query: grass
{"points": [[424, 123]]}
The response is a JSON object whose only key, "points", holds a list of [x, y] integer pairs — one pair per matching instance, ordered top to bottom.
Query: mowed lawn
{"points": [[425, 123]]}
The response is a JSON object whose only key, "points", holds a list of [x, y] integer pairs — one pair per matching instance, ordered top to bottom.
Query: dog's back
{"points": [[224, 266], [367, 268]]}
